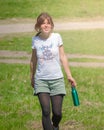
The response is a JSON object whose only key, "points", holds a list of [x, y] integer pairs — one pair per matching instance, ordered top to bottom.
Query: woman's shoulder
{"points": [[56, 34], [35, 37]]}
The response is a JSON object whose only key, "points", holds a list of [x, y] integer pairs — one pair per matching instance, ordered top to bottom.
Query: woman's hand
{"points": [[72, 81]]}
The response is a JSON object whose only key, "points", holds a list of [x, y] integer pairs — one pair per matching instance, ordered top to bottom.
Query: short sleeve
{"points": [[60, 41]]}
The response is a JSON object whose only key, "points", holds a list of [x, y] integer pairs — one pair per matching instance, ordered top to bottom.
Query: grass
{"points": [[64, 8], [77, 42], [84, 42], [17, 43], [6, 57], [86, 60], [17, 98], [20, 110], [87, 116]]}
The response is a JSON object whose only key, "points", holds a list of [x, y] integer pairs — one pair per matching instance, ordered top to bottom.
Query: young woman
{"points": [[46, 74]]}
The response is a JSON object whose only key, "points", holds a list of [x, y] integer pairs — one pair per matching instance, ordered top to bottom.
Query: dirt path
{"points": [[29, 27], [22, 57]]}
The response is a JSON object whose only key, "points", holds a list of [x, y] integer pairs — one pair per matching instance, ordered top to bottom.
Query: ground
{"points": [[11, 26], [15, 26], [23, 57]]}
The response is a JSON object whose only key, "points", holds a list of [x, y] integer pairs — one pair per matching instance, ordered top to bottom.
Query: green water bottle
{"points": [[75, 96]]}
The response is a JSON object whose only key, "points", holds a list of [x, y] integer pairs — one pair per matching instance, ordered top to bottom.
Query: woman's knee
{"points": [[46, 112], [57, 115], [56, 119]]}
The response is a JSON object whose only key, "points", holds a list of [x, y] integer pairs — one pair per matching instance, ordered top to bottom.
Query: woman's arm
{"points": [[33, 63], [65, 64]]}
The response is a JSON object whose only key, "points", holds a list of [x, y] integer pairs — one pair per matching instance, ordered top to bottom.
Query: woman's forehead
{"points": [[47, 20]]}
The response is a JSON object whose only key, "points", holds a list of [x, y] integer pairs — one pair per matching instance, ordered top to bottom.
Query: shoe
{"points": [[55, 128]]}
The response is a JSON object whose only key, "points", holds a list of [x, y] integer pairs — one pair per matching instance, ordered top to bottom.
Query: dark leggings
{"points": [[56, 102]]}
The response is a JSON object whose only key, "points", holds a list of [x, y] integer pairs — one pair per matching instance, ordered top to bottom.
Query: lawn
{"points": [[66, 9], [75, 42], [20, 110]]}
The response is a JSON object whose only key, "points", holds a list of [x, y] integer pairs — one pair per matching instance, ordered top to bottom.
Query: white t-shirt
{"points": [[48, 60]]}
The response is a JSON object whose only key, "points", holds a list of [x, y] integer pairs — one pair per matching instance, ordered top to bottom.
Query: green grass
{"points": [[57, 8], [18, 42], [75, 42], [84, 42], [85, 60], [91, 98], [17, 101], [19, 109]]}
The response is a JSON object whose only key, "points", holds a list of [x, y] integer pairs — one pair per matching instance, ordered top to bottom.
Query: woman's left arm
{"points": [[65, 64]]}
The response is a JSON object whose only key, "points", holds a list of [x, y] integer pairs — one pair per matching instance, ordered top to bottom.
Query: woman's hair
{"points": [[40, 20]]}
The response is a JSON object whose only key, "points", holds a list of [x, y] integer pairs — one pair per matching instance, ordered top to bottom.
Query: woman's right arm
{"points": [[33, 63]]}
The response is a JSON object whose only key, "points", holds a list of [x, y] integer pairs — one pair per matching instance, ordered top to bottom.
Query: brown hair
{"points": [[40, 20]]}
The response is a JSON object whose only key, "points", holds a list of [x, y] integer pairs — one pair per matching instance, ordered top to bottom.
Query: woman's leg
{"points": [[44, 99], [56, 109]]}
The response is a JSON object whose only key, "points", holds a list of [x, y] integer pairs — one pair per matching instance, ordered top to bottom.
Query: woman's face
{"points": [[46, 27]]}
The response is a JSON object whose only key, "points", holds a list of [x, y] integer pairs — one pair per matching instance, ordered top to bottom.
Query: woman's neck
{"points": [[44, 36]]}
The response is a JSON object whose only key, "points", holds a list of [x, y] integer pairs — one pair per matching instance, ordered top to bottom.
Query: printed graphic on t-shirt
{"points": [[47, 53]]}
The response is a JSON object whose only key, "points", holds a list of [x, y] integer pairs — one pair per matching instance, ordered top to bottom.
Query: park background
{"points": [[19, 109]]}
